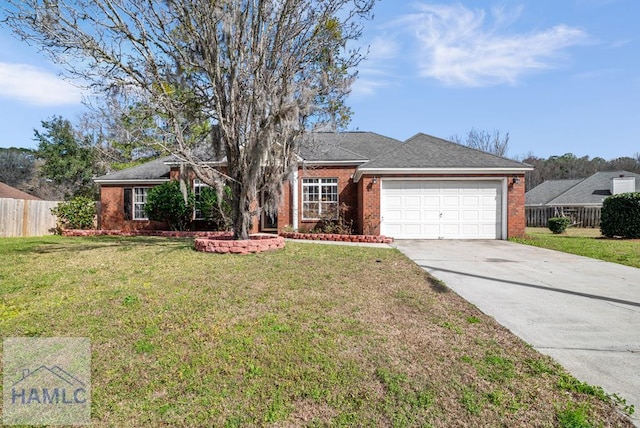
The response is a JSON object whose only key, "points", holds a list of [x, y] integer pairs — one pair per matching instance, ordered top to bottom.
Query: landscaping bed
{"points": [[197, 234], [338, 237]]}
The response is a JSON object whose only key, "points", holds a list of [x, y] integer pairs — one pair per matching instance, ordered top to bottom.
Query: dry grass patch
{"points": [[309, 335]]}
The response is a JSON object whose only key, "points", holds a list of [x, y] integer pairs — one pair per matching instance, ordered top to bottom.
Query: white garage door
{"points": [[425, 209]]}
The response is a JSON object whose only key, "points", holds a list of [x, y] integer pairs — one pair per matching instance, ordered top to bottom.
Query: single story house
{"points": [[423, 188], [580, 199]]}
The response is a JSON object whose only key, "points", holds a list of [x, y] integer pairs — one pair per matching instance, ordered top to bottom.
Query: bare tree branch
{"points": [[255, 74]]}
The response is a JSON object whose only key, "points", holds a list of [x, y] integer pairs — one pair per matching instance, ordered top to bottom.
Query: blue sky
{"points": [[559, 75]]}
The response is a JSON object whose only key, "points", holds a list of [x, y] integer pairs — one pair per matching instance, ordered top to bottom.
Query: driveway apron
{"points": [[582, 312]]}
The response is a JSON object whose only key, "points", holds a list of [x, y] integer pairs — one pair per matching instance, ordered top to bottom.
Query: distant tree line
{"points": [[567, 166], [570, 166]]}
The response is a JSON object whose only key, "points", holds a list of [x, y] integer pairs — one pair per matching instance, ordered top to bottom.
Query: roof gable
{"points": [[426, 151]]}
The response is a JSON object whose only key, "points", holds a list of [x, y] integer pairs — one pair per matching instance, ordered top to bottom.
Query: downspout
{"points": [[294, 199], [505, 209]]}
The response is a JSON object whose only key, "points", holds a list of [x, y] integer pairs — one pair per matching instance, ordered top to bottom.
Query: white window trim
{"points": [[318, 183], [197, 186], [135, 203]]}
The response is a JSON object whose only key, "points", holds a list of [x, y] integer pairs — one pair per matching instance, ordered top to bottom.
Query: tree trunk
{"points": [[241, 212]]}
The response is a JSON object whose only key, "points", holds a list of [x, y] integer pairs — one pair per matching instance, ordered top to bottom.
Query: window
{"points": [[197, 190], [319, 198], [139, 199], [134, 201]]}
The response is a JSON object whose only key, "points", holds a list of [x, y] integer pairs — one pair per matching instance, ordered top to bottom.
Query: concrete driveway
{"points": [[584, 313]]}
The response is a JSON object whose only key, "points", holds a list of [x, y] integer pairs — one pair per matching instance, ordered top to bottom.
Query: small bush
{"points": [[167, 203], [77, 213], [217, 215], [620, 216], [330, 224], [558, 225]]}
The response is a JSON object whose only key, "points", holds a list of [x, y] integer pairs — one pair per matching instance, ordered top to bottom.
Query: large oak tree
{"points": [[250, 77]]}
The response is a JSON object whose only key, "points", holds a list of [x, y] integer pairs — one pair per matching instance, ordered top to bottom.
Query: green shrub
{"points": [[166, 203], [77, 213], [217, 215], [620, 216], [558, 225]]}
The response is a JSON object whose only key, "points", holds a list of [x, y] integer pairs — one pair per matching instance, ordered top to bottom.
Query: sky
{"points": [[560, 76]]}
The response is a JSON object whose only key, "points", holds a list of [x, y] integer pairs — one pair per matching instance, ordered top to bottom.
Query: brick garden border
{"points": [[162, 233], [370, 239], [226, 244]]}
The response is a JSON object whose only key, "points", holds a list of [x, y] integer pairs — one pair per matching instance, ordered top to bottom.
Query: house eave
{"points": [[335, 162], [208, 163], [446, 171], [131, 181], [592, 204]]}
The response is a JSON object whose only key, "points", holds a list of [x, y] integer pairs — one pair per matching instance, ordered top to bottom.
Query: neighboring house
{"points": [[425, 188], [7, 191], [580, 199]]}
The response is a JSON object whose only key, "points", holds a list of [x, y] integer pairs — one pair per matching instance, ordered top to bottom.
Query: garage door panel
{"points": [[393, 201], [412, 201], [433, 201], [451, 201], [470, 201], [489, 201], [447, 209], [393, 215], [413, 215], [431, 215], [450, 215], [470, 215], [489, 216], [413, 229], [431, 229], [471, 229], [451, 230]]}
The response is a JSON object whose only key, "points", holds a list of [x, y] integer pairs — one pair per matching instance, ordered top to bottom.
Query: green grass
{"points": [[586, 242], [311, 335]]}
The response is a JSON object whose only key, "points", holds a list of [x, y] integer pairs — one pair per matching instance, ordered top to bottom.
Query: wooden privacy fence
{"points": [[580, 216], [20, 217]]}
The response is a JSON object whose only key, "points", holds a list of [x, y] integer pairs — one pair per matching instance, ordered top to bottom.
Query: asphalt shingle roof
{"points": [[341, 146], [367, 148], [426, 151], [152, 170], [592, 190], [7, 191], [545, 192]]}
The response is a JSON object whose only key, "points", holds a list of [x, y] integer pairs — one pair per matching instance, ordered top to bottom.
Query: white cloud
{"points": [[459, 47], [375, 71], [35, 86]]}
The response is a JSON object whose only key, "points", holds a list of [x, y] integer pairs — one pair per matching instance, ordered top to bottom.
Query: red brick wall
{"points": [[347, 193], [370, 205], [112, 212], [516, 218]]}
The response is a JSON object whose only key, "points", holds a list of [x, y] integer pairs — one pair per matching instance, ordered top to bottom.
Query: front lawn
{"points": [[586, 242], [309, 335]]}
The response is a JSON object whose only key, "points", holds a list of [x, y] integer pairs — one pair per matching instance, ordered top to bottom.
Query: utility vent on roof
{"points": [[623, 184]]}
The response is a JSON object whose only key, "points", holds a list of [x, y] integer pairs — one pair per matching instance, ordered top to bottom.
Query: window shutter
{"points": [[128, 204]]}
